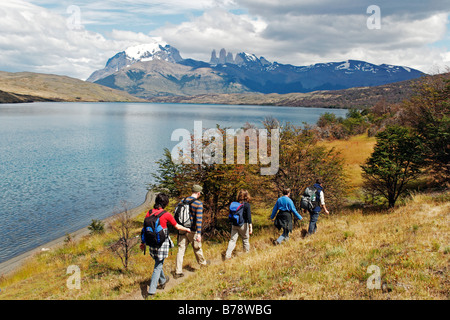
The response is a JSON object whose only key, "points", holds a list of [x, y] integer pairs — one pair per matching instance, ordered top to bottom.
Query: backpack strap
{"points": [[188, 201], [191, 213], [159, 214]]}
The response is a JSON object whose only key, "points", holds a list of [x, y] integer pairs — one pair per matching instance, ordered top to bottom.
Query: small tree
{"points": [[397, 159], [302, 161], [166, 175], [221, 182], [123, 228]]}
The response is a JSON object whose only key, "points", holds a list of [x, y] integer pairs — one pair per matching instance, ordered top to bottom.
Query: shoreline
{"points": [[9, 266]]}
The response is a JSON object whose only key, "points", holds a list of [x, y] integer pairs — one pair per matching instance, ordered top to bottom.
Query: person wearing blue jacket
{"points": [[282, 215]]}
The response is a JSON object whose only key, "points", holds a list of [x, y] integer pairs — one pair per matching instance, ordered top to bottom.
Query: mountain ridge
{"points": [[242, 73]]}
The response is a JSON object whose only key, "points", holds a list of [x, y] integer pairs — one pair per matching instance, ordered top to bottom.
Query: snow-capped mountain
{"points": [[144, 52], [149, 52], [243, 72]]}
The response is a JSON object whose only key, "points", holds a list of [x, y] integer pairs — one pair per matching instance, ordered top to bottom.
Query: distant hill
{"points": [[157, 69], [33, 87], [8, 97], [348, 98]]}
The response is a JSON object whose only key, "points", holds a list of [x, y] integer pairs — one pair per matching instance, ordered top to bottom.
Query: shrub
{"points": [[96, 226]]}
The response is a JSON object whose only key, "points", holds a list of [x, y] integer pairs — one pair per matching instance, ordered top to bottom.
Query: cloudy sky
{"points": [[77, 37]]}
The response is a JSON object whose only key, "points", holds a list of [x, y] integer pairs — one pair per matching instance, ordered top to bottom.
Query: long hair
{"points": [[243, 196]]}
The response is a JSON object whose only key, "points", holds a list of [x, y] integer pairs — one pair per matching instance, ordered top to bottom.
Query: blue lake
{"points": [[64, 164]]}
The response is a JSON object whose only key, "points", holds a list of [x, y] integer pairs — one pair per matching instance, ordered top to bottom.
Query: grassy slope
{"points": [[59, 88], [355, 151], [409, 245]]}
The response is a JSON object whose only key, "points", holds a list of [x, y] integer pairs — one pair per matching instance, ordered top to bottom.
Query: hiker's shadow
{"points": [[303, 233], [190, 268], [144, 288]]}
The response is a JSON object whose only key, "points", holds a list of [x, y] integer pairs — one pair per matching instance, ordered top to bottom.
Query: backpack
{"points": [[310, 199], [182, 213], [236, 215], [153, 233]]}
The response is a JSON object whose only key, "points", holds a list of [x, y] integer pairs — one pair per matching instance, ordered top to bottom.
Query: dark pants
{"points": [[284, 221], [313, 222], [284, 236]]}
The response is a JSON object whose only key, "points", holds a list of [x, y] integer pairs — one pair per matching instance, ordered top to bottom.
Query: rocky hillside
{"points": [[161, 78]]}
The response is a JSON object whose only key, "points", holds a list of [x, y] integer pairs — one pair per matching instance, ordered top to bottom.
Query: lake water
{"points": [[64, 164]]}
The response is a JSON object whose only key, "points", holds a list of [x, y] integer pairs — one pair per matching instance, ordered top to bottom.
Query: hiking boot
{"points": [[224, 256], [206, 264], [178, 275], [162, 286]]}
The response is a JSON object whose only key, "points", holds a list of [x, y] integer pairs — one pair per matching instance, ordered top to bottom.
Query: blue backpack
{"points": [[236, 215], [152, 233]]}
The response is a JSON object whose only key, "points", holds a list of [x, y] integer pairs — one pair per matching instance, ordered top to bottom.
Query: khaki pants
{"points": [[242, 231], [183, 242]]}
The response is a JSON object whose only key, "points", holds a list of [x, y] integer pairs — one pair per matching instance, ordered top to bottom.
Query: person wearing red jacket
{"points": [[161, 253]]}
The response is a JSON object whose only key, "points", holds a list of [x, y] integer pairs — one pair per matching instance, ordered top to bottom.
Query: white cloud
{"points": [[215, 29], [281, 31], [33, 38], [38, 40]]}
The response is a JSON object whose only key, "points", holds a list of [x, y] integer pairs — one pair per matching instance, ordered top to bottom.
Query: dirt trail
{"points": [[188, 271], [142, 293]]}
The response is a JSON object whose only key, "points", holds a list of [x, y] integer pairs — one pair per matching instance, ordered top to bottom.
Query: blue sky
{"points": [[137, 16], [36, 35]]}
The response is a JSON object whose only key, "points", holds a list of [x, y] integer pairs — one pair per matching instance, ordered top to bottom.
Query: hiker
{"points": [[314, 213], [282, 215], [243, 228], [195, 236], [159, 253]]}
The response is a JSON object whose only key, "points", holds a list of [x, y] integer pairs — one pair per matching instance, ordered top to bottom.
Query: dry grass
{"points": [[61, 88], [355, 152], [409, 245], [102, 275]]}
